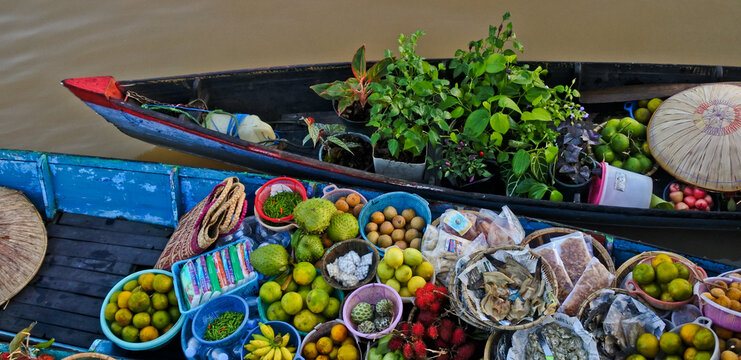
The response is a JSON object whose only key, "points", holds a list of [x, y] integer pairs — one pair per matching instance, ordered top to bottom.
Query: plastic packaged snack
{"points": [[461, 224], [506, 229], [575, 253], [550, 255], [595, 277]]}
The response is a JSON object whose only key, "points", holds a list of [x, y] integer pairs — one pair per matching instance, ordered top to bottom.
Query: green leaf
{"points": [[506, 16], [518, 46], [358, 63], [495, 63], [479, 69], [378, 70], [422, 88], [320, 89], [338, 90], [456, 92], [536, 92], [575, 93], [345, 102], [508, 103], [486, 105], [457, 112], [538, 114], [499, 122], [476, 123], [453, 137], [374, 138], [496, 139], [335, 140], [394, 147], [550, 153], [502, 157], [520, 162], [539, 166], [524, 186], [537, 190], [44, 344]]}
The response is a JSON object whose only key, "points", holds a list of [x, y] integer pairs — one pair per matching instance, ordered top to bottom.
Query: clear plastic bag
{"points": [[461, 224], [506, 228], [575, 252], [550, 255], [595, 277]]}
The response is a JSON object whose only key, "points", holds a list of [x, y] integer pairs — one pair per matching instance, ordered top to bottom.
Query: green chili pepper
{"points": [[281, 204], [223, 326]]}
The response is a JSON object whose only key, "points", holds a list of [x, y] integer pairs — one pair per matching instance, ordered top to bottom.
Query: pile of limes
{"points": [[625, 140], [404, 271], [663, 279], [301, 298], [144, 309], [693, 342]]}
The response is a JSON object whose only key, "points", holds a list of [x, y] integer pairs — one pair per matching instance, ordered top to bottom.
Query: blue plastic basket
{"points": [[399, 200], [244, 290], [262, 307], [213, 309], [279, 327], [160, 341]]}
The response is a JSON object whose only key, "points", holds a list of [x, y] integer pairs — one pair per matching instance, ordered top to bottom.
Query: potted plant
{"points": [[351, 95], [405, 112], [340, 147], [467, 165], [574, 166]]}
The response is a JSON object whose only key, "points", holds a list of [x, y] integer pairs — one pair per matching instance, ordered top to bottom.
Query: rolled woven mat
{"points": [[220, 213]]}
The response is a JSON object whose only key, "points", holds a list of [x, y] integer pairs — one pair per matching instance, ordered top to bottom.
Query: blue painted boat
{"points": [[281, 95], [108, 218]]}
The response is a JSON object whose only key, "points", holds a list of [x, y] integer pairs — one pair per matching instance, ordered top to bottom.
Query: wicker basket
{"points": [[653, 170], [540, 237], [361, 247], [491, 325], [89, 355]]}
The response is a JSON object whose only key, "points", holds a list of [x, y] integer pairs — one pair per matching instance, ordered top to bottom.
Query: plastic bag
{"points": [[463, 224], [506, 229], [442, 250], [575, 253], [550, 255], [595, 277], [588, 350]]}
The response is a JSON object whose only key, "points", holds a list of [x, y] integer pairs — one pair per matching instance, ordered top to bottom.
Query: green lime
{"points": [[643, 103], [653, 104], [642, 115], [624, 122], [614, 123], [635, 130], [608, 132], [619, 143], [646, 150], [604, 153], [646, 163], [617, 164], [632, 164], [556, 196], [684, 271], [666, 272], [644, 274], [131, 285], [652, 289], [680, 289], [270, 292], [114, 297], [667, 297], [172, 298], [110, 311], [174, 313], [160, 319], [141, 320], [116, 329], [130, 334], [671, 344]]}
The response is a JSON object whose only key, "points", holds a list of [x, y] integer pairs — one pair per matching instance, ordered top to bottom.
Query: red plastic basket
{"points": [[263, 193]]}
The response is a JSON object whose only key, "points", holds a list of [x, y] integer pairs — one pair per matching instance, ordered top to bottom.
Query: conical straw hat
{"points": [[695, 135], [22, 242]]}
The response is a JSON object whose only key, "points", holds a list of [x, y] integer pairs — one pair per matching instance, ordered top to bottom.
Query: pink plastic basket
{"points": [[263, 193], [333, 193], [696, 273], [372, 293], [721, 316]]}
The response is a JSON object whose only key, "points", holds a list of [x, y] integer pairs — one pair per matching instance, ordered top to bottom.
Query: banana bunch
{"points": [[268, 346]]}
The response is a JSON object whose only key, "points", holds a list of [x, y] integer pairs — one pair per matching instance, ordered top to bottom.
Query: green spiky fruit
{"points": [[313, 215], [343, 227], [270, 259], [384, 307], [361, 312], [367, 327]]}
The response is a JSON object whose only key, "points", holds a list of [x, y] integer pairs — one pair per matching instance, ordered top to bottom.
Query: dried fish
{"points": [[495, 307], [564, 344]]}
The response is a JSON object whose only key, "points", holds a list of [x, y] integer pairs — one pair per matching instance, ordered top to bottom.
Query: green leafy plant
{"points": [[357, 89], [405, 108], [327, 134], [463, 161], [21, 348]]}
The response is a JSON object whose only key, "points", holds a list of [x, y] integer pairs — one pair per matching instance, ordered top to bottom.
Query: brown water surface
{"points": [[45, 41]]}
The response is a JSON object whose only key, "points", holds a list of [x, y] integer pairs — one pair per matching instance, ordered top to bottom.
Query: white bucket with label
{"points": [[618, 187]]}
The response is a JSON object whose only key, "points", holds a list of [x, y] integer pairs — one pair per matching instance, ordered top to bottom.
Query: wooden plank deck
{"points": [[85, 256]]}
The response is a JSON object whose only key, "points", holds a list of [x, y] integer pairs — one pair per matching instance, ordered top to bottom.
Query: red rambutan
{"points": [[427, 288], [424, 300], [435, 307], [426, 317], [404, 327], [418, 330], [446, 330], [432, 333], [459, 336], [395, 343], [441, 344], [419, 348], [407, 351], [465, 352], [443, 356]]}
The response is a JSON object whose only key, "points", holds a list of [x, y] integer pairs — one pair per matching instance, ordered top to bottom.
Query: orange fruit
{"points": [[338, 333]]}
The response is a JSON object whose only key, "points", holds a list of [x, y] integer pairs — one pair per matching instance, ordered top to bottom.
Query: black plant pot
{"points": [[358, 126], [489, 185], [569, 190]]}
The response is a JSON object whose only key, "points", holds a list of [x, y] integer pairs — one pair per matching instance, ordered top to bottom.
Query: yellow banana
{"points": [[267, 331], [260, 337], [286, 337], [260, 343], [250, 347], [292, 349], [262, 351], [278, 354], [286, 354], [269, 355]]}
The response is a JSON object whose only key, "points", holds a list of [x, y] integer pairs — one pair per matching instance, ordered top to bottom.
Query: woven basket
{"points": [[650, 172], [544, 236], [361, 247], [585, 304], [490, 325], [89, 355]]}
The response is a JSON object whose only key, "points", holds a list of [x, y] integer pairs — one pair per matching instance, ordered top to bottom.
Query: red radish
{"points": [[674, 187], [689, 191], [699, 193], [676, 196], [709, 199], [690, 201], [701, 204], [681, 206]]}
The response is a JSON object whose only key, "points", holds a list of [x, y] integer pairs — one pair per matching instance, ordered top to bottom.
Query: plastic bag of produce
{"points": [[467, 225], [506, 228], [442, 250], [575, 252], [550, 255], [595, 277], [564, 335]]}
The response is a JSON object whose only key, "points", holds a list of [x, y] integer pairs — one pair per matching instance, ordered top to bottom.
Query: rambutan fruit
{"points": [[418, 330], [432, 332], [459, 336], [395, 343], [407, 351]]}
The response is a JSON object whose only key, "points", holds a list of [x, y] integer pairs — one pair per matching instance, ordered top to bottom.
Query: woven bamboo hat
{"points": [[695, 135], [22, 242]]}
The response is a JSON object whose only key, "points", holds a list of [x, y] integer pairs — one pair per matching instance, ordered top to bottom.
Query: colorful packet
{"points": [[242, 261], [236, 267], [228, 269], [220, 271], [213, 274], [194, 280], [203, 281], [187, 284]]}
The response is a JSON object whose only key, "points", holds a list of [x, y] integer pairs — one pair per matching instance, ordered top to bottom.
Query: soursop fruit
{"points": [[313, 215], [343, 227], [309, 249], [270, 259], [384, 307], [361, 312], [382, 323], [367, 327]]}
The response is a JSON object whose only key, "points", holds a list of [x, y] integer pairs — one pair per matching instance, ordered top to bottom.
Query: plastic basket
{"points": [[618, 187], [263, 193], [333, 193], [399, 200], [340, 249], [696, 273], [248, 288], [372, 293], [262, 307], [214, 309], [721, 316], [706, 323], [279, 327], [322, 330], [160, 341]]}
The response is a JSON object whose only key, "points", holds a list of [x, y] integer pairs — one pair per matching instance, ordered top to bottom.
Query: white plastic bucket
{"points": [[618, 187]]}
